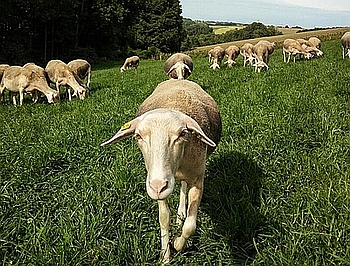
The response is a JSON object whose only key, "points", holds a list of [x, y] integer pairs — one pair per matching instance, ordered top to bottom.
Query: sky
{"points": [[303, 13]]}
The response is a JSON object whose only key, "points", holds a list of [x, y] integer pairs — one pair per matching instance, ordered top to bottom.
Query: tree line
{"points": [[41, 30]]}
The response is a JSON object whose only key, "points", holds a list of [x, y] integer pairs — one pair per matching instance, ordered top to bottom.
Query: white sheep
{"points": [[345, 41], [315, 42], [311, 46], [293, 48], [232, 52], [247, 52], [262, 52], [216, 55], [129, 62], [178, 66], [2, 69], [81, 69], [41, 73], [61, 75], [21, 80], [176, 128]]}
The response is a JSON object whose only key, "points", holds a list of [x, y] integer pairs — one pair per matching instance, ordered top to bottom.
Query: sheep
{"points": [[345, 41], [315, 42], [293, 47], [232, 52], [247, 52], [262, 52], [216, 55], [132, 61], [178, 66], [2, 69], [81, 69], [41, 73], [60, 73], [18, 79], [177, 127]]}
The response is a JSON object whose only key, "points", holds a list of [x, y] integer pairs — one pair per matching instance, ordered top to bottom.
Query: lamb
{"points": [[345, 42], [293, 47], [232, 52], [247, 52], [262, 52], [216, 55], [132, 61], [178, 66], [81, 69], [60, 74], [18, 79], [177, 127]]}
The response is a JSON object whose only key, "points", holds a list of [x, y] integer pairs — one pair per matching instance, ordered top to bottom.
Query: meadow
{"points": [[277, 188]]}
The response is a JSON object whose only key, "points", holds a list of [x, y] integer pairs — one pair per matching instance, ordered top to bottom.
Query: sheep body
{"points": [[345, 41], [315, 42], [293, 47], [232, 52], [247, 52], [262, 52], [215, 56], [129, 62], [178, 66], [81, 69], [41, 73], [61, 75], [18, 79], [176, 128]]}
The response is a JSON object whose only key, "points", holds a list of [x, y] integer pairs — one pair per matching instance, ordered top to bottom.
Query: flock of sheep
{"points": [[258, 55], [35, 80], [177, 127]]}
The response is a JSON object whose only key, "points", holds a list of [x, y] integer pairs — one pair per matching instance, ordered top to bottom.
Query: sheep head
{"points": [[182, 71], [162, 135]]}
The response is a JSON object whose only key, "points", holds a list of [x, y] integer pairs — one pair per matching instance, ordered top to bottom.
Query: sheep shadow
{"points": [[231, 198]]}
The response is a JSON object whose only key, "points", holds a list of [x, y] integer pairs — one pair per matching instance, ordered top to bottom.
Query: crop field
{"points": [[223, 29], [277, 188]]}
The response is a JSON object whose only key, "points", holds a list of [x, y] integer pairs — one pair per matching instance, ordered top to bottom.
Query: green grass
{"points": [[276, 190]]}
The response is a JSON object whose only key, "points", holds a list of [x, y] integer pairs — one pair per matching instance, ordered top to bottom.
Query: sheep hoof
{"points": [[179, 243]]}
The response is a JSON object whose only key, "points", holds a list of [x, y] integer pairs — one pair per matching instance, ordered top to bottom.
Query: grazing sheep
{"points": [[315, 42], [345, 42], [293, 47], [232, 52], [262, 52], [247, 53], [216, 55], [133, 61], [178, 66], [2, 69], [81, 69], [41, 73], [60, 74], [18, 79], [176, 128]]}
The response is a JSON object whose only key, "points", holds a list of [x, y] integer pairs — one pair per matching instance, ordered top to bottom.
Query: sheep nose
{"points": [[158, 186]]}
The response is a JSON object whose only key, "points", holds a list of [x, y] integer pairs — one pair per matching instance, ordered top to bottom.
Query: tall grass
{"points": [[276, 189]]}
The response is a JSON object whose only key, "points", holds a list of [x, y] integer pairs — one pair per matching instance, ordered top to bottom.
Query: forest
{"points": [[41, 30]]}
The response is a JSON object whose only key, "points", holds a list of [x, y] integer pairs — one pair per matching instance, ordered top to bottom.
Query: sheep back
{"points": [[189, 98]]}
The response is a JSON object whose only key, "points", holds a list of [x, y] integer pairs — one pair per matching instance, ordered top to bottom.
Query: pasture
{"points": [[277, 188]]}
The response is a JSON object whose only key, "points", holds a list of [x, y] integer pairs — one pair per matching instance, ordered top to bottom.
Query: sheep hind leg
{"points": [[194, 197], [181, 211], [164, 220]]}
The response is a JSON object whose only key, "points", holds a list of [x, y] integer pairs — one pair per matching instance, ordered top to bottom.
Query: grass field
{"points": [[277, 189]]}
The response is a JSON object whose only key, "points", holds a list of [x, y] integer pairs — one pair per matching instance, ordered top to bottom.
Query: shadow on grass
{"points": [[232, 199]]}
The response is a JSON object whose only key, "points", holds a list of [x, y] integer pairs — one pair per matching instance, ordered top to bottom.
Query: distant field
{"points": [[223, 29]]}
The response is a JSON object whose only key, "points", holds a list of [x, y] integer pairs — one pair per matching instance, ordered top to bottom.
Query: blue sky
{"points": [[304, 13]]}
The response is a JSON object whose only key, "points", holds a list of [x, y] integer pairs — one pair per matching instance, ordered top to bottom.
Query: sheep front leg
{"points": [[194, 198], [181, 211], [164, 220]]}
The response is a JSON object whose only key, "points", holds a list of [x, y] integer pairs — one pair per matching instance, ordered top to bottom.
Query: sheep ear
{"points": [[189, 70], [193, 126], [126, 130]]}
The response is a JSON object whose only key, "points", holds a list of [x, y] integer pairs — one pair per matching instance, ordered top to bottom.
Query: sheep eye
{"points": [[138, 137]]}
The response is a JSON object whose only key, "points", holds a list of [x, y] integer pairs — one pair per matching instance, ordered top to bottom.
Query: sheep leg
{"points": [[194, 197], [181, 211], [164, 220]]}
